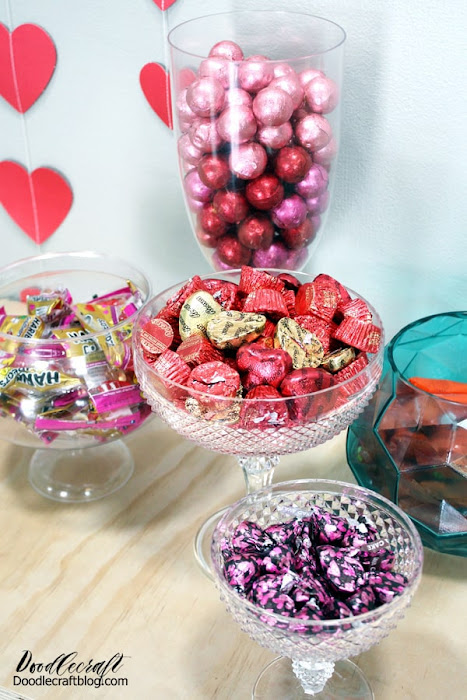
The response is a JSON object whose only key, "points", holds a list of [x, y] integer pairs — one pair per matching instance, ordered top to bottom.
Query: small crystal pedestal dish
{"points": [[256, 104], [70, 393], [325, 413], [411, 445], [315, 650]]}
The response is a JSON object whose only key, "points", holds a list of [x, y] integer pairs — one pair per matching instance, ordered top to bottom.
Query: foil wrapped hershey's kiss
{"points": [[196, 312], [230, 329], [303, 346]]}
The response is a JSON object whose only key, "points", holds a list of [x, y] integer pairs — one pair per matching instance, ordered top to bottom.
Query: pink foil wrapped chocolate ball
{"points": [[227, 49], [217, 68], [281, 69], [255, 73], [308, 74], [290, 84], [322, 95], [205, 97], [235, 97], [272, 106], [185, 113], [237, 124], [313, 132], [204, 135], [275, 136], [188, 151], [325, 155], [248, 160], [314, 183], [195, 188], [318, 204], [194, 205], [291, 212], [273, 257]]}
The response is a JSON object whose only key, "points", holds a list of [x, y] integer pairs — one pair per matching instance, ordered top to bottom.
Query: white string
{"points": [[165, 32], [24, 129]]}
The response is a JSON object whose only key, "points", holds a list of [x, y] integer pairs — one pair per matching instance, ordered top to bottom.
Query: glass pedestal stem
{"points": [[258, 471], [313, 675]]}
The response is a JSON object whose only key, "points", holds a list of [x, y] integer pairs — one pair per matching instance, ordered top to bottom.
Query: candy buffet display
{"points": [[257, 117], [258, 364], [66, 369], [410, 444], [316, 571]]}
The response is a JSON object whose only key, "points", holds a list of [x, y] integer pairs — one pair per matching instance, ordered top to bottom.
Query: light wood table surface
{"points": [[118, 576]]}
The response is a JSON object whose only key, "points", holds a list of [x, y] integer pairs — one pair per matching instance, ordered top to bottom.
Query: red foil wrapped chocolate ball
{"points": [[292, 163], [214, 171], [265, 192], [232, 207], [211, 222], [256, 231], [299, 236], [206, 239], [231, 252]]}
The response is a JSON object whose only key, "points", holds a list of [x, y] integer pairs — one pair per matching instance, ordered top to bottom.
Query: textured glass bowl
{"points": [[290, 41], [410, 445], [257, 450], [79, 464], [315, 647]]}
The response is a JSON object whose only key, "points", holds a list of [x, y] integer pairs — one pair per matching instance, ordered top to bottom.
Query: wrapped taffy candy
{"points": [[263, 353], [66, 366], [306, 569]]}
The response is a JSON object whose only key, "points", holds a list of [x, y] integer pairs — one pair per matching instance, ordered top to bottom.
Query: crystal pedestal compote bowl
{"points": [[256, 103], [67, 385], [256, 431], [319, 645]]}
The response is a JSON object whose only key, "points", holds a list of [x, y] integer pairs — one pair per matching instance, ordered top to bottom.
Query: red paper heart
{"points": [[164, 4], [27, 62], [155, 83], [38, 202]]}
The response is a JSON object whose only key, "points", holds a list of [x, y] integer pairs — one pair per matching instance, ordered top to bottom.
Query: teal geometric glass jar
{"points": [[411, 445]]}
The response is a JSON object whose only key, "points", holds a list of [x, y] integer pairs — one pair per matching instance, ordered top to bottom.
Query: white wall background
{"points": [[397, 228]]}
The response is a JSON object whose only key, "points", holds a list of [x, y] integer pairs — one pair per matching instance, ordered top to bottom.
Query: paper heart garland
{"points": [[164, 4], [27, 62], [155, 83], [38, 202]]}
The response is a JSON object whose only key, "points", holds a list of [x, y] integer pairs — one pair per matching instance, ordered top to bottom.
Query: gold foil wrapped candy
{"points": [[196, 313], [230, 329], [303, 346], [334, 361]]}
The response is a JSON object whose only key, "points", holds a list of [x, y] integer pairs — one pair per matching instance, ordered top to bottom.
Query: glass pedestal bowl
{"points": [[257, 129], [71, 398], [315, 418], [411, 445], [318, 649]]}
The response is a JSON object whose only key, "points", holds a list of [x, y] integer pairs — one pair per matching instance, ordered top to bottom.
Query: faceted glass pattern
{"points": [[410, 445], [311, 643]]}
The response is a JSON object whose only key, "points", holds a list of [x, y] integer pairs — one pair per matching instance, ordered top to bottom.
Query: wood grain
{"points": [[118, 575]]}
